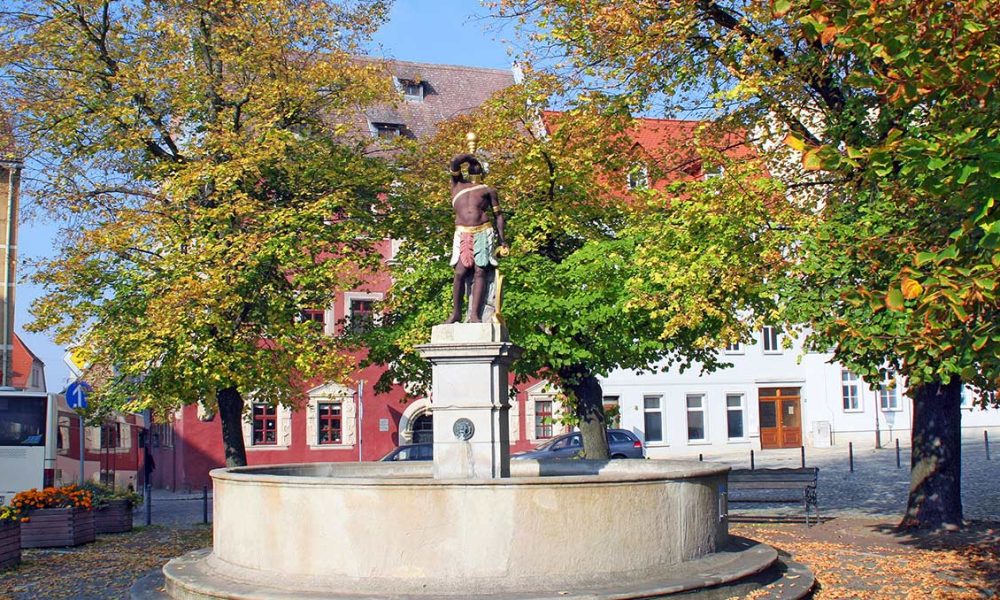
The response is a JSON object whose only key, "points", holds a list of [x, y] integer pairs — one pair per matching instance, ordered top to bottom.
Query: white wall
{"points": [[821, 402]]}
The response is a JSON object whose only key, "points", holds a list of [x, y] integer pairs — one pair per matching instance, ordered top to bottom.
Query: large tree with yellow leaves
{"points": [[209, 195]]}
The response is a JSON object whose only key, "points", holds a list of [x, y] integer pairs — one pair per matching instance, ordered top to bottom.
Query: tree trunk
{"points": [[586, 390], [231, 417], [936, 458]]}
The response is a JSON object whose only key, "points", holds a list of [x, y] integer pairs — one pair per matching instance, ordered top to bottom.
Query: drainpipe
{"points": [[8, 274]]}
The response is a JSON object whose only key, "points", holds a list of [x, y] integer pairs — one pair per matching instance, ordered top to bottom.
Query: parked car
{"points": [[621, 444], [411, 452]]}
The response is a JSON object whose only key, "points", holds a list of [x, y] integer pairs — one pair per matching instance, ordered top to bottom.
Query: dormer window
{"points": [[412, 89], [386, 130], [712, 171], [638, 177]]}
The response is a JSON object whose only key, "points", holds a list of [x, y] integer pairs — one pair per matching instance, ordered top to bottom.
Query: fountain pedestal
{"points": [[470, 363]]}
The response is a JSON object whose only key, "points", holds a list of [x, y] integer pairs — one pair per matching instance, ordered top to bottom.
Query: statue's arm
{"points": [[456, 166]]}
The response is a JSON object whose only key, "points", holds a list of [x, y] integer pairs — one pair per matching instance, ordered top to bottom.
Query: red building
{"points": [[347, 421]]}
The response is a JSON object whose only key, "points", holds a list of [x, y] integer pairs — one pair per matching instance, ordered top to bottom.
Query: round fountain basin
{"points": [[390, 528]]}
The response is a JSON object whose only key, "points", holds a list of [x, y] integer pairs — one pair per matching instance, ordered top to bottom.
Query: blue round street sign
{"points": [[76, 394]]}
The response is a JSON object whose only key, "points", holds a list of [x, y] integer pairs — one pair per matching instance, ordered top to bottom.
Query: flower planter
{"points": [[114, 517], [57, 527], [10, 544]]}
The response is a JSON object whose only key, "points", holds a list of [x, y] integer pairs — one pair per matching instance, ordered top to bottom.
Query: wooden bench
{"points": [[775, 486]]}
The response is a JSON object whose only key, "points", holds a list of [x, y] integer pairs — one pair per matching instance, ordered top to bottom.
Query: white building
{"points": [[772, 397]]}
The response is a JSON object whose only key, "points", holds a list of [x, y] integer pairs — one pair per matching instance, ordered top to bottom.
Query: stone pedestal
{"points": [[469, 399]]}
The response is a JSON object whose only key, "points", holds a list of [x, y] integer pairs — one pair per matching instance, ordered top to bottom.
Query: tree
{"points": [[880, 120], [208, 199], [574, 233]]}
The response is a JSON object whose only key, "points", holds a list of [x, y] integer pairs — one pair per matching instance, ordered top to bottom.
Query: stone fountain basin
{"points": [[391, 529]]}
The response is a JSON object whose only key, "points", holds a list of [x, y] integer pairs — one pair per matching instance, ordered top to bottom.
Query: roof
{"points": [[449, 90], [671, 144], [23, 360]]}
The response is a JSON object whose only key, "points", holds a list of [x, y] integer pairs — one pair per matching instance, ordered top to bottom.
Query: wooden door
{"points": [[780, 417]]}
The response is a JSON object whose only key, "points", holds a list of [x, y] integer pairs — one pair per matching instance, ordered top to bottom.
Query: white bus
{"points": [[27, 441]]}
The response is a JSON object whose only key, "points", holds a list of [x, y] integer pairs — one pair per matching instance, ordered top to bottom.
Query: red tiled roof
{"points": [[22, 362]]}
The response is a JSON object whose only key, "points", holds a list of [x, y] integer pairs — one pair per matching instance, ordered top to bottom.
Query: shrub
{"points": [[102, 494], [11, 514]]}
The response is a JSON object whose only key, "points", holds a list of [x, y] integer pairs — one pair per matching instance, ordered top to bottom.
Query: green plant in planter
{"points": [[103, 494], [10, 514]]}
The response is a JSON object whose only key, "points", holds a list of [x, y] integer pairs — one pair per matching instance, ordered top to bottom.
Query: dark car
{"points": [[621, 444], [411, 452]]}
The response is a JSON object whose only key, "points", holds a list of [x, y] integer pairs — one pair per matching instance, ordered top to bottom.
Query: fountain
{"points": [[472, 523]]}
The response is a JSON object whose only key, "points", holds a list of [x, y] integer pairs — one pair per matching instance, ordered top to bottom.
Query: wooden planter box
{"points": [[115, 517], [57, 527], [10, 544]]}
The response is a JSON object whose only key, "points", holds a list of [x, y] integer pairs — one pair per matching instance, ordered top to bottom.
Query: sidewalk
{"points": [[876, 488], [175, 509]]}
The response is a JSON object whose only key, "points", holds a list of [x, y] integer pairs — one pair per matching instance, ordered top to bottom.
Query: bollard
{"points": [[986, 440], [803, 449], [897, 453], [850, 454], [700, 457], [751, 460], [149, 503], [204, 504]]}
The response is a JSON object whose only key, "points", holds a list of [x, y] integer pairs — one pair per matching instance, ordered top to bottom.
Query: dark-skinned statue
{"points": [[479, 237]]}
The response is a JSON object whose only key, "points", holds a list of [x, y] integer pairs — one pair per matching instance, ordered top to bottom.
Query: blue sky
{"points": [[435, 31]]}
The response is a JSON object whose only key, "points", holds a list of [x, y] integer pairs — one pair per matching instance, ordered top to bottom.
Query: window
{"points": [[412, 90], [386, 130], [712, 171], [638, 177], [313, 314], [361, 315], [769, 338], [734, 348], [849, 385], [887, 393], [612, 412], [734, 416], [696, 417], [652, 418], [543, 419], [22, 421], [329, 423], [265, 425], [162, 434], [110, 435]]}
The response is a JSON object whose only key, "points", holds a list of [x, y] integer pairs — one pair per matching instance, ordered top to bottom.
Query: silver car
{"points": [[621, 444]]}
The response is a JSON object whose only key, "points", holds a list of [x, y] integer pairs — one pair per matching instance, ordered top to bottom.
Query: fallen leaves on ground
{"points": [[866, 560], [104, 569]]}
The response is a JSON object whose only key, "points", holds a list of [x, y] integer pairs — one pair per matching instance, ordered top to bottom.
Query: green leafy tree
{"points": [[880, 120], [208, 198], [574, 233]]}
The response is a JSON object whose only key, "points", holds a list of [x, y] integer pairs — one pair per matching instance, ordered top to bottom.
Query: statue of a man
{"points": [[476, 239]]}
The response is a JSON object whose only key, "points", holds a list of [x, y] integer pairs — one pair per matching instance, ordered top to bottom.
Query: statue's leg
{"points": [[478, 288], [456, 293]]}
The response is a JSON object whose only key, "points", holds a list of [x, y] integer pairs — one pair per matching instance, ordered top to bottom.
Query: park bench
{"points": [[775, 486]]}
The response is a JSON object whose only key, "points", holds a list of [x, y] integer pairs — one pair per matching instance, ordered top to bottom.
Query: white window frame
{"points": [[403, 84], [637, 170], [712, 172], [350, 297], [764, 339], [735, 348], [850, 380], [889, 390], [541, 391], [332, 393], [742, 409], [659, 411], [283, 428], [704, 439]]}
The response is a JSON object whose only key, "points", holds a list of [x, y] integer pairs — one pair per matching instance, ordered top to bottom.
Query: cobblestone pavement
{"points": [[876, 488], [175, 509]]}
